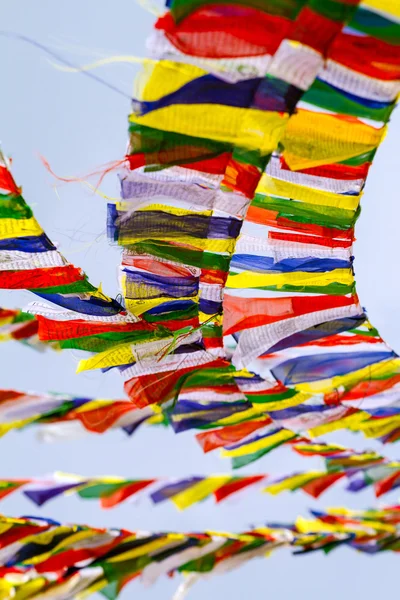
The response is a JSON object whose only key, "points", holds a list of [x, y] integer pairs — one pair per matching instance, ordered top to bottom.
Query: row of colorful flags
{"points": [[360, 469], [42, 558]]}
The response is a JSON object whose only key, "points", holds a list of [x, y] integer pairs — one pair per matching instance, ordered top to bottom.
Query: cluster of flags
{"points": [[252, 132], [247, 163], [239, 195], [29, 260], [64, 416], [360, 469], [112, 491], [42, 558]]}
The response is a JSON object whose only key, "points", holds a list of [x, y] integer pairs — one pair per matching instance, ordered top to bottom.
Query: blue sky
{"points": [[78, 124]]}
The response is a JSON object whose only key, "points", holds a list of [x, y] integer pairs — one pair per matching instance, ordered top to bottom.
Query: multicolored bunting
{"points": [[205, 122], [249, 149], [248, 155], [247, 160], [29, 260], [61, 415], [249, 434], [241, 436], [361, 469], [112, 491], [43, 558]]}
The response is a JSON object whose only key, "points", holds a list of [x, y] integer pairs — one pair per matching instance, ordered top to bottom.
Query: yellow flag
{"points": [[292, 483], [199, 491]]}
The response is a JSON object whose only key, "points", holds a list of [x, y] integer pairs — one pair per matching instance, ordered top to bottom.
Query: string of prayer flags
{"points": [[241, 187], [239, 199], [29, 260], [63, 416], [112, 491], [43, 557]]}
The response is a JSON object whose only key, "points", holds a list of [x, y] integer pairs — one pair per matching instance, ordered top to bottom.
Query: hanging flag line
{"points": [[246, 166], [239, 197], [238, 208], [29, 260], [62, 416], [66, 416], [361, 469], [42, 557]]}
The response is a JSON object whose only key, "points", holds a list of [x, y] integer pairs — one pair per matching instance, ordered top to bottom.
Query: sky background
{"points": [[78, 125]]}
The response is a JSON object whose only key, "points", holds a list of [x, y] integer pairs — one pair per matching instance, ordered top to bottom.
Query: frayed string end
{"points": [[102, 173]]}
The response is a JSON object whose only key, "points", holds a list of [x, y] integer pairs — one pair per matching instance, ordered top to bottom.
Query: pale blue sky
{"points": [[77, 124]]}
